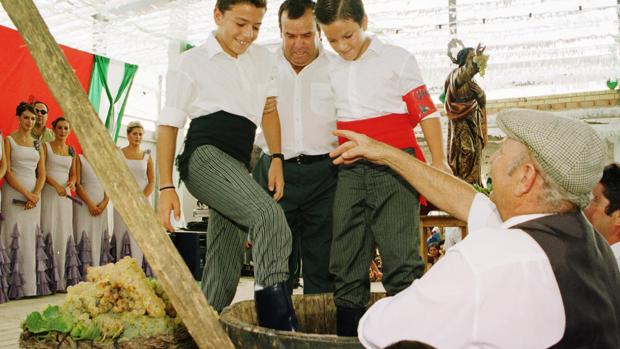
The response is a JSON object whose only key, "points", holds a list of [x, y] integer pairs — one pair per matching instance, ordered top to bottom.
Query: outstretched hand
{"points": [[358, 147]]}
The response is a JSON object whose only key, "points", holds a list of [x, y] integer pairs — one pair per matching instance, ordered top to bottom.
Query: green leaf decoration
{"points": [[52, 319], [35, 323]]}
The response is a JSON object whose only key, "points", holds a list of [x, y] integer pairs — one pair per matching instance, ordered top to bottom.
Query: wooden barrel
{"points": [[317, 325]]}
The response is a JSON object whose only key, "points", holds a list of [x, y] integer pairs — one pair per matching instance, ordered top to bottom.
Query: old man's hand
{"points": [[358, 147]]}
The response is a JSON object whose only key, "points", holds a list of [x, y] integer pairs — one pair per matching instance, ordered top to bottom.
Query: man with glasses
{"points": [[39, 131]]}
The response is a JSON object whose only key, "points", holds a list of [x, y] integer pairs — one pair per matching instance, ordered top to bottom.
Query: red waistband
{"points": [[393, 129]]}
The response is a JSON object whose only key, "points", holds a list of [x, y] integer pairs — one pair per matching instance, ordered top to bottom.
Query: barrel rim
{"points": [[227, 318]]}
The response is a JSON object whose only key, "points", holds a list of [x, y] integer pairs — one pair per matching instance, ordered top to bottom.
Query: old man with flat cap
{"points": [[532, 273]]}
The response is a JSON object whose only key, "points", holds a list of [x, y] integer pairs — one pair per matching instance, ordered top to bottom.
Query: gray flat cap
{"points": [[568, 150]]}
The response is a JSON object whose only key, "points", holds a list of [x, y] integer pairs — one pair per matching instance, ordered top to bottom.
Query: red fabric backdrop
{"points": [[20, 80]]}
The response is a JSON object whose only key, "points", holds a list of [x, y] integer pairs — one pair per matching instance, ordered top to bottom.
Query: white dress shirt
{"points": [[206, 80], [374, 84], [306, 108], [616, 250], [495, 289]]}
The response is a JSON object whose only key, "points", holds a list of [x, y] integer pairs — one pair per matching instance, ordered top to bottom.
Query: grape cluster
{"points": [[121, 302]]}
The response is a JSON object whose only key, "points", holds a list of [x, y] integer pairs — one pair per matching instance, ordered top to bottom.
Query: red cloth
{"points": [[21, 81], [393, 129]]}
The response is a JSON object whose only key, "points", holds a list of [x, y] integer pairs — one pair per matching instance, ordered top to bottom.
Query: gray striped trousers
{"points": [[238, 207], [373, 207]]}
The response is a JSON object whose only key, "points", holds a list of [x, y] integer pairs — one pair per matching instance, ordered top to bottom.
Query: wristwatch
{"points": [[277, 156]]}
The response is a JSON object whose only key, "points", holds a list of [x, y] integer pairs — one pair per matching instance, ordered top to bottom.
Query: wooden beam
{"points": [[199, 318]]}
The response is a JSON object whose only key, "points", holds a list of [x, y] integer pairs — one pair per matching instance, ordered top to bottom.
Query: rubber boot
{"points": [[274, 308], [347, 320]]}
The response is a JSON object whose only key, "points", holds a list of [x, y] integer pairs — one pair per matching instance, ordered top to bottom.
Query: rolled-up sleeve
{"points": [[180, 92]]}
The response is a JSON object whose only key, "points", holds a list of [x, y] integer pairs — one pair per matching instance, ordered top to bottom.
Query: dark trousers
{"points": [[307, 203], [374, 206], [238, 207]]}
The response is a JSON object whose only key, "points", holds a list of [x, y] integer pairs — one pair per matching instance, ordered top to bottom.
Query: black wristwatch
{"points": [[277, 156]]}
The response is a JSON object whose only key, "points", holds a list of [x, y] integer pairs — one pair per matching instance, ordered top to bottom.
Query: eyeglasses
{"points": [[40, 111]]}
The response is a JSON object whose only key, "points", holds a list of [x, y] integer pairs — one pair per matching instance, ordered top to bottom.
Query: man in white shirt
{"points": [[307, 116], [604, 209], [532, 273]]}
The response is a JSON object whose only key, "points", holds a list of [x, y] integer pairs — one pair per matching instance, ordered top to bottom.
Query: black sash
{"points": [[232, 134], [587, 274]]}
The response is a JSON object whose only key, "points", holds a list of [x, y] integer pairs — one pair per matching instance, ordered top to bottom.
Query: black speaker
{"points": [[192, 247]]}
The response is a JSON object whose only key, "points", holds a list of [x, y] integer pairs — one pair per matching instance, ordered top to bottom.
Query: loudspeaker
{"points": [[192, 247]]}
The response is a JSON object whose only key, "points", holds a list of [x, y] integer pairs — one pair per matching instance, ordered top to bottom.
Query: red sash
{"points": [[393, 129]]}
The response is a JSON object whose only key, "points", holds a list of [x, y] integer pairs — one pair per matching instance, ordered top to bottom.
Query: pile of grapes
{"points": [[117, 304]]}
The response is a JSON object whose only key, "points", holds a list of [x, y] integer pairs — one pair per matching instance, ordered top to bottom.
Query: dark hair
{"points": [[225, 5], [294, 9], [329, 11], [461, 57], [39, 102], [22, 107], [59, 119], [611, 187]]}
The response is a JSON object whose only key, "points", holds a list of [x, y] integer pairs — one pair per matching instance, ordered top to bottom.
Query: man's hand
{"points": [[358, 147], [276, 179], [168, 202]]}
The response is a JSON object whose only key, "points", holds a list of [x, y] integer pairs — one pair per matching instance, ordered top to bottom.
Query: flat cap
{"points": [[568, 150]]}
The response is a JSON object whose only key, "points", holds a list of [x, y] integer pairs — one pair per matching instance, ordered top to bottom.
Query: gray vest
{"points": [[587, 274]]}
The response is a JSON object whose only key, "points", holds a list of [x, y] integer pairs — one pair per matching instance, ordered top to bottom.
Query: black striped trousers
{"points": [[373, 206], [238, 207]]}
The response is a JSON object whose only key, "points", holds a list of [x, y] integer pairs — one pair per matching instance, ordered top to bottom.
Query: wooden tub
{"points": [[317, 326]]}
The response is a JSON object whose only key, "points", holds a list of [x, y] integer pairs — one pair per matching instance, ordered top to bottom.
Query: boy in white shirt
{"points": [[222, 86], [379, 92]]}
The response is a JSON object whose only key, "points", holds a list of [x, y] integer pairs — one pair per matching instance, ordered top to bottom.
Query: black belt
{"points": [[307, 159]]}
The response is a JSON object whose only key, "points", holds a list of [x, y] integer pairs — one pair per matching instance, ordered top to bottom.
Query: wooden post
{"points": [[199, 318]]}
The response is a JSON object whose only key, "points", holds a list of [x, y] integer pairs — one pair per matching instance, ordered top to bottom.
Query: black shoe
{"points": [[274, 308], [347, 320]]}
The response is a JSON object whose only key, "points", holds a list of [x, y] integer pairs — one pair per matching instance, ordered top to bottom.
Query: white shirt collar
{"points": [[376, 45], [213, 46], [523, 218], [616, 249]]}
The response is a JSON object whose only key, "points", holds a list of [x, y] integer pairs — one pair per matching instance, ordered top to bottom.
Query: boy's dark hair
{"points": [[225, 5], [294, 9], [329, 11], [22, 107], [59, 119], [611, 187]]}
